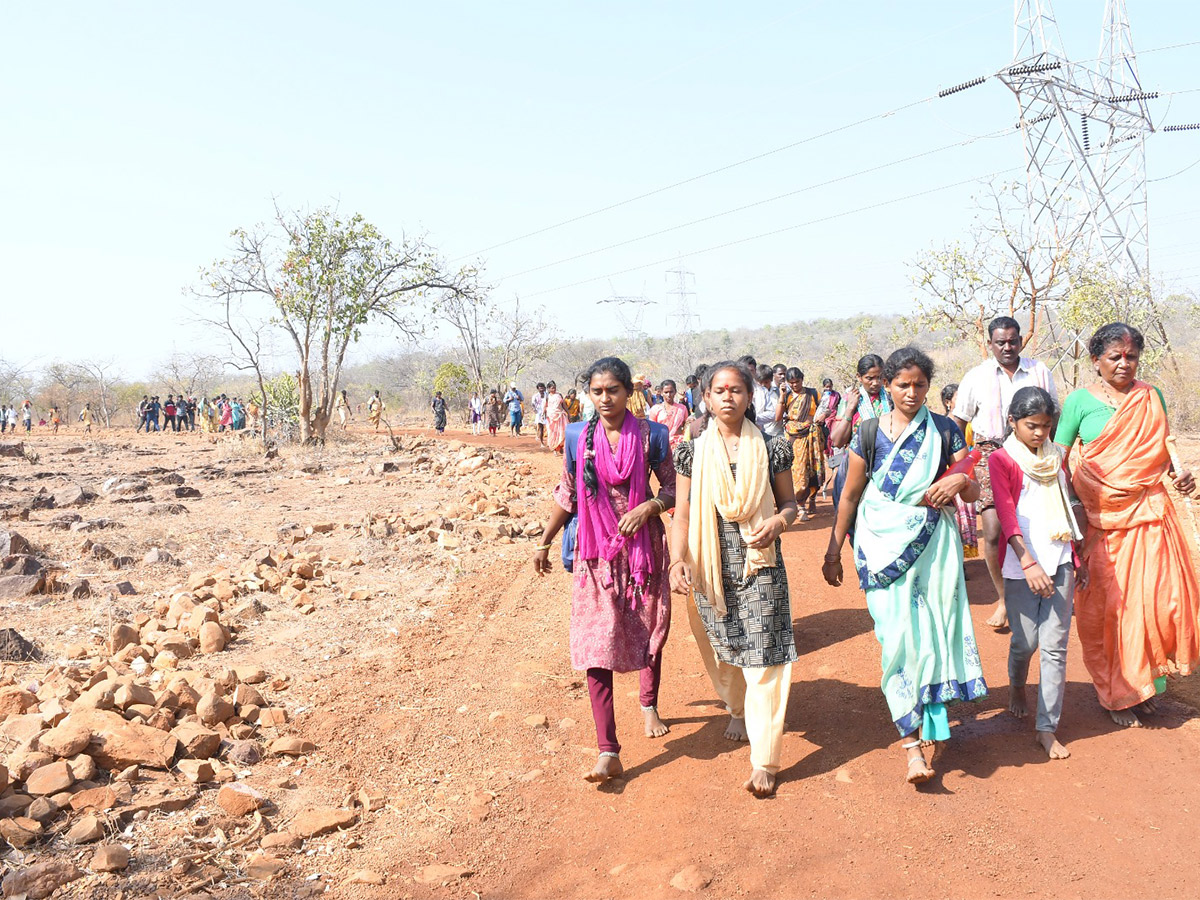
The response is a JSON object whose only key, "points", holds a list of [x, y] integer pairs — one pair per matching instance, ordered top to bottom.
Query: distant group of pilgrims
{"points": [[1073, 518]]}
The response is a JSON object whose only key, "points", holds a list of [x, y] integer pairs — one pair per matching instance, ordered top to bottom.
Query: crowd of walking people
{"points": [[685, 494]]}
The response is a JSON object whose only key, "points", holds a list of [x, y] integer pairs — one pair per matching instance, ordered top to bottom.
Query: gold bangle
{"points": [[544, 547]]}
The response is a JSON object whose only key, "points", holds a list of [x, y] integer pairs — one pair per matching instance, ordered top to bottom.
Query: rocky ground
{"points": [[245, 675]]}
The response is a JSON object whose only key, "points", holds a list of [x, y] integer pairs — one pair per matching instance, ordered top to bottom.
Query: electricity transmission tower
{"points": [[1084, 127], [630, 310], [687, 320]]}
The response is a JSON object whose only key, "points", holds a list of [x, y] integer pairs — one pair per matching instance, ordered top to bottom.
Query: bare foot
{"points": [[999, 618], [1018, 705], [1148, 706], [1125, 718], [655, 727], [736, 730], [1049, 743], [606, 767], [918, 770], [761, 783]]}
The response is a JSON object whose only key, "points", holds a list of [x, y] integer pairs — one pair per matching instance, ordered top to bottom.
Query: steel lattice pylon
{"points": [[1084, 131]]}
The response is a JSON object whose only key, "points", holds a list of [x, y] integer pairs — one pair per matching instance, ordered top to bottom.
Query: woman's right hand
{"points": [[541, 562], [832, 570], [681, 577], [1039, 582]]}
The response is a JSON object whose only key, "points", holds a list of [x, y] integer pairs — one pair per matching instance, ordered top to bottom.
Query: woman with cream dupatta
{"points": [[734, 500], [908, 554], [1137, 617]]}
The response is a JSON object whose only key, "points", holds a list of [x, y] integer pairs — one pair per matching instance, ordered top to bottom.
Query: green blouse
{"points": [[1084, 416]]}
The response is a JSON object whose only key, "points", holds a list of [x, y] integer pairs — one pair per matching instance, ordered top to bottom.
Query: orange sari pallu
{"points": [[1139, 611]]}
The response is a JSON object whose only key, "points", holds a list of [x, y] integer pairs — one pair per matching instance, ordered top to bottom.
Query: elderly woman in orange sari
{"points": [[797, 408], [556, 418], [1137, 617]]}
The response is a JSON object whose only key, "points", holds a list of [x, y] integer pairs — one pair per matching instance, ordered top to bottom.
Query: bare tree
{"points": [[326, 277], [523, 338], [190, 374]]}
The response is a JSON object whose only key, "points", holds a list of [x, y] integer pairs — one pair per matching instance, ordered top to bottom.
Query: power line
{"points": [[1001, 133], [702, 175], [776, 231]]}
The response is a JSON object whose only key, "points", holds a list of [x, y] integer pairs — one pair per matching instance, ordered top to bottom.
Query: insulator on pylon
{"points": [[1034, 69], [974, 82], [1136, 95], [1035, 120], [1195, 126], [1087, 143]]}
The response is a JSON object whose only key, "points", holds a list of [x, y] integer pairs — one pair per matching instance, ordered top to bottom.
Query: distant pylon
{"points": [[630, 309], [687, 320]]}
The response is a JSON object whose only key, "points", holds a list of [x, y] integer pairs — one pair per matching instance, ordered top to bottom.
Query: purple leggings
{"points": [[600, 688]]}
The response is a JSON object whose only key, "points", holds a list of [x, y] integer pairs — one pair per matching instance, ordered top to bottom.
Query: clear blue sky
{"points": [[138, 135]]}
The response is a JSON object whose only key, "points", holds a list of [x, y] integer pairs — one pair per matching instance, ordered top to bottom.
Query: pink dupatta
{"points": [[597, 536]]}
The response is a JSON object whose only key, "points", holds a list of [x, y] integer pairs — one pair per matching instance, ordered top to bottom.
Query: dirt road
{"points": [[448, 693]]}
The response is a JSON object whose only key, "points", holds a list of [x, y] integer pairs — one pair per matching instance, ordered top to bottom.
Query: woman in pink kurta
{"points": [[670, 413], [620, 595]]}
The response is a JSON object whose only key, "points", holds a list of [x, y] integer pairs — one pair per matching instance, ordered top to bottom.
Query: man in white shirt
{"points": [[982, 401], [766, 402]]}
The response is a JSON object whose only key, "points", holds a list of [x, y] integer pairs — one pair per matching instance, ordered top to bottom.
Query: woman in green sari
{"points": [[908, 555]]}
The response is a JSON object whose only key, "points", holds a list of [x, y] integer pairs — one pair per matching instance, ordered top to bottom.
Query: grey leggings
{"points": [[1043, 622]]}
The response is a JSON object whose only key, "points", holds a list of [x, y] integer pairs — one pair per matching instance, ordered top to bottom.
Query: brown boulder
{"points": [[212, 637], [15, 701], [213, 710], [65, 740], [197, 741], [117, 743], [50, 779], [100, 798], [239, 799], [322, 820], [87, 830], [22, 831], [110, 858], [41, 880]]}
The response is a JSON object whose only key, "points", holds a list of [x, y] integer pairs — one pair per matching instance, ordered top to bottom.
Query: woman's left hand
{"points": [[1184, 482], [942, 493], [636, 518], [764, 535]]}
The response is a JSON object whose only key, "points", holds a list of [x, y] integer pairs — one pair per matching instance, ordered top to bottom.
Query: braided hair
{"points": [[618, 369]]}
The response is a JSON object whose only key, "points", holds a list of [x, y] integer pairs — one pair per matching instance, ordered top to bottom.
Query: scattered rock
{"points": [[124, 487], [187, 493], [74, 495], [12, 543], [158, 556], [15, 587], [125, 588], [79, 590], [212, 638], [15, 648], [537, 721], [65, 740], [197, 741], [117, 743], [291, 746], [243, 753], [197, 771], [51, 779], [98, 798], [239, 799], [321, 820], [87, 830], [21, 831], [110, 858], [263, 867], [441, 874], [365, 876], [691, 879], [40, 880]]}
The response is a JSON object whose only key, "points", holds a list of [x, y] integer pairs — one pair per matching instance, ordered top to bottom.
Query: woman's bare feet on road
{"points": [[999, 617], [1018, 704], [1148, 706], [1125, 718], [655, 726], [736, 730], [1049, 742], [606, 767], [918, 770], [761, 783]]}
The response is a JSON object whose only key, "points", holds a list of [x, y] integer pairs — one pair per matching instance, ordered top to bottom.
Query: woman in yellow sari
{"points": [[797, 408], [1137, 617]]}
